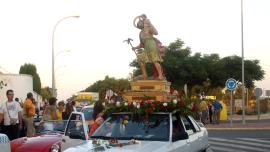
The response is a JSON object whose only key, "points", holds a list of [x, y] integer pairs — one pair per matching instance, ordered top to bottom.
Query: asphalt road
{"points": [[240, 141]]}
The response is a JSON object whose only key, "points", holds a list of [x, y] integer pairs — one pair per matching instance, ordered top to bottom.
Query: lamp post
{"points": [[53, 57], [243, 67]]}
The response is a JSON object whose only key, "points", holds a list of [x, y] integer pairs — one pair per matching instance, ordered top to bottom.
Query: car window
{"points": [[75, 123], [195, 124], [51, 126], [154, 127], [189, 127], [176, 128]]}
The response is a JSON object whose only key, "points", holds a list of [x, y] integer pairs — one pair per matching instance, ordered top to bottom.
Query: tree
{"points": [[231, 67], [31, 69], [204, 72], [109, 83], [2, 84], [45, 93]]}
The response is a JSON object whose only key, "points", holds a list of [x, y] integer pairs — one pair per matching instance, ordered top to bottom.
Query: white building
{"points": [[21, 84]]}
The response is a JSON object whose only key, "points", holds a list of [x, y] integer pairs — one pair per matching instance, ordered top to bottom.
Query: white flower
{"points": [[175, 101], [103, 103], [134, 103], [117, 104], [126, 104], [165, 104], [138, 106]]}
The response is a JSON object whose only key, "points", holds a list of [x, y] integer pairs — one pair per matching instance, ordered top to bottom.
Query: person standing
{"points": [[217, 108], [210, 109], [50, 110], [60, 110], [68, 110], [204, 111], [11, 112], [28, 114]]}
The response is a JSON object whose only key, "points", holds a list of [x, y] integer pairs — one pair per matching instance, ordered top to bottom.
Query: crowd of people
{"points": [[210, 112], [17, 118]]}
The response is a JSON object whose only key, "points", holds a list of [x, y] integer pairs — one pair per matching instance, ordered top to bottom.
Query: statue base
{"points": [[158, 90]]}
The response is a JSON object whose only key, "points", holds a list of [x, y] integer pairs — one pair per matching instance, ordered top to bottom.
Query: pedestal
{"points": [[158, 90]]}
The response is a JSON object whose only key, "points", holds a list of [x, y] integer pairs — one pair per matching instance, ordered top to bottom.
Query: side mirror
{"points": [[76, 134], [181, 136]]}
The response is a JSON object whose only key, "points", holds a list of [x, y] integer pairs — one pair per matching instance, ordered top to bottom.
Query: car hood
{"points": [[34, 144], [142, 146]]}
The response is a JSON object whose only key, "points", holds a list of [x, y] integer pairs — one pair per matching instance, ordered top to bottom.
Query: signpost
{"points": [[231, 85], [257, 94]]}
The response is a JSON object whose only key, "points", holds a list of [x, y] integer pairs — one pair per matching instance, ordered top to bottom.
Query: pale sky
{"points": [[95, 40]]}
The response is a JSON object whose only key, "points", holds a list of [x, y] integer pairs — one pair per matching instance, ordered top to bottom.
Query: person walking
{"points": [[217, 108], [11, 112], [28, 114]]}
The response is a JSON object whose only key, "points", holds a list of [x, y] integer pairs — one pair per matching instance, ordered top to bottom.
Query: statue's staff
{"points": [[129, 42]]}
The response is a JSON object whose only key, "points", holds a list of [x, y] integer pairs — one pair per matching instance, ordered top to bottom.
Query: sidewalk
{"points": [[250, 117], [252, 123]]}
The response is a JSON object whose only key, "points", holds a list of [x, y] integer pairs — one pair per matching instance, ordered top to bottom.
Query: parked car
{"points": [[88, 112], [156, 132], [48, 137]]}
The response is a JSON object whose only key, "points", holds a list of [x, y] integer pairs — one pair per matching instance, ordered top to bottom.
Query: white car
{"points": [[156, 132], [4, 143]]}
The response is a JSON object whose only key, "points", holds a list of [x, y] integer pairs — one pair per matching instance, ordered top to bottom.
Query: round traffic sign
{"points": [[231, 84], [257, 92]]}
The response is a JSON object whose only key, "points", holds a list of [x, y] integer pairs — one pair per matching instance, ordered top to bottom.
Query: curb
{"points": [[237, 129]]}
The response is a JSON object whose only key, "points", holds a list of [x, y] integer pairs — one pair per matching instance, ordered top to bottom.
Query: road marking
{"points": [[239, 141], [267, 141], [231, 145], [225, 149]]}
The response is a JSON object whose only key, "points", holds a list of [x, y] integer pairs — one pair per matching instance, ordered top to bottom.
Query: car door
{"points": [[75, 123], [177, 128], [199, 133], [202, 134], [193, 136]]}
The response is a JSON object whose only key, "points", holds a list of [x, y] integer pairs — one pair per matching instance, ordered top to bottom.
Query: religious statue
{"points": [[150, 48]]}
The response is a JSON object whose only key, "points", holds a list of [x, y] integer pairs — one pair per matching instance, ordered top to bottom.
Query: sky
{"points": [[90, 47]]}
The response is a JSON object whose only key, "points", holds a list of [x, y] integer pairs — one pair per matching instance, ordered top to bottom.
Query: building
{"points": [[20, 83]]}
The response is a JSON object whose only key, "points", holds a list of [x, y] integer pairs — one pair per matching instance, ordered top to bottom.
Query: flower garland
{"points": [[145, 107], [102, 144]]}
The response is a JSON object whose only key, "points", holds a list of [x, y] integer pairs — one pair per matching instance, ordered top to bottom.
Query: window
{"points": [[75, 124], [195, 124], [154, 127], [189, 127], [176, 128]]}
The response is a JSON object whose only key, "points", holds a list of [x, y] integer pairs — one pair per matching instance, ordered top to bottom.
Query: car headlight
{"points": [[55, 148]]}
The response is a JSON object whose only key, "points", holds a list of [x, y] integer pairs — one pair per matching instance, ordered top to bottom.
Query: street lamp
{"points": [[60, 52], [53, 57], [243, 67]]}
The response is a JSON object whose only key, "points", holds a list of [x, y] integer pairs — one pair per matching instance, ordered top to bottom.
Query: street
{"points": [[240, 141]]}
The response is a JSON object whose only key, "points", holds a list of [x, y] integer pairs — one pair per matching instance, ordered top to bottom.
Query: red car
{"points": [[49, 136], [52, 136]]}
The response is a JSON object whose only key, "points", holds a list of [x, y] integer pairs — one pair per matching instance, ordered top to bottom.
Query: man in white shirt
{"points": [[10, 111]]}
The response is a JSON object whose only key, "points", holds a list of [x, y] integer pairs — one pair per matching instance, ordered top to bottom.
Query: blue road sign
{"points": [[231, 84]]}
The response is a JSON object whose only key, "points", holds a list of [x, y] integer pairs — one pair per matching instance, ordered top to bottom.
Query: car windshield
{"points": [[88, 112], [51, 126], [154, 127]]}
